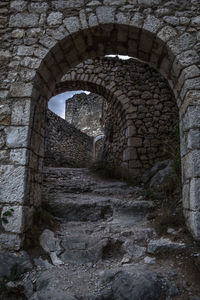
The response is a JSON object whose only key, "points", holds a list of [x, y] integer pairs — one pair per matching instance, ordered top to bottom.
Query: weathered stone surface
{"points": [[114, 2], [62, 4], [18, 5], [38, 7], [55, 18], [23, 20], [72, 24], [19, 89], [21, 112], [17, 137], [18, 156], [162, 175], [12, 179], [12, 218], [10, 241], [51, 245], [164, 245], [8, 260], [133, 285]]}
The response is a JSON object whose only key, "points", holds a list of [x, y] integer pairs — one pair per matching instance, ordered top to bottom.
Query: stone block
{"points": [[114, 2], [149, 3], [63, 4], [18, 5], [38, 7], [105, 14], [54, 18], [21, 20], [72, 24], [152, 24], [17, 33], [166, 33], [47, 41], [182, 43], [25, 50], [185, 59], [30, 62], [189, 72], [190, 84], [20, 89], [192, 97], [21, 112], [5, 114], [191, 119], [17, 137], [193, 139], [134, 142], [129, 154], [18, 156], [191, 164], [12, 183], [195, 194], [186, 195], [12, 219], [193, 223], [10, 241]]}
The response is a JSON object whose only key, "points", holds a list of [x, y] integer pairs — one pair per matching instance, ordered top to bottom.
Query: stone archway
{"points": [[89, 33]]}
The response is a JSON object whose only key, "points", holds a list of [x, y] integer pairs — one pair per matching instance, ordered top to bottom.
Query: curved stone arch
{"points": [[105, 31], [155, 43], [94, 85], [112, 96]]}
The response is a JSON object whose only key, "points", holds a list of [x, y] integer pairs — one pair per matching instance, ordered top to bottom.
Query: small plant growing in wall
{"points": [[8, 213]]}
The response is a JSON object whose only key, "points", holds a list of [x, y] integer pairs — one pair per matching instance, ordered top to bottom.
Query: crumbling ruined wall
{"points": [[42, 40], [85, 113], [66, 146]]}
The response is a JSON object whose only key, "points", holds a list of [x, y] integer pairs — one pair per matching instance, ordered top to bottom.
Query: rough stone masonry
{"points": [[41, 41]]}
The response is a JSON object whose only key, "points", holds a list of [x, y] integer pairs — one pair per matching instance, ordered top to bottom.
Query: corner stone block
{"points": [[21, 111], [17, 137], [191, 164], [12, 184], [12, 219]]}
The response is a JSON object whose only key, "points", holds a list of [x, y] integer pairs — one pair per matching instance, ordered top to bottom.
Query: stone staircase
{"points": [[105, 247]]}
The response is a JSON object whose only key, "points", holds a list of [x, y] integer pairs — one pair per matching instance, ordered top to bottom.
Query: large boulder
{"points": [[159, 173]]}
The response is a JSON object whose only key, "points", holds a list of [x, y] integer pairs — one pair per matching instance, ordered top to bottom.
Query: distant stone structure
{"points": [[85, 112]]}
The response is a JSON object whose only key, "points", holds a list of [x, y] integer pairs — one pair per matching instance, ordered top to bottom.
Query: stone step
{"points": [[89, 207]]}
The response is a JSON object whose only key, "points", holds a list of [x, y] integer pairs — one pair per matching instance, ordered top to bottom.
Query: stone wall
{"points": [[43, 40], [85, 113], [135, 138], [66, 146]]}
